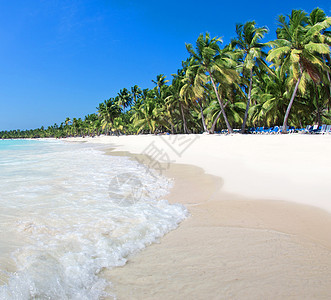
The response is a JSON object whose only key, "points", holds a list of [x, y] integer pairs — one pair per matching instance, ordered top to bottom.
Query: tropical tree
{"points": [[324, 36], [250, 50], [297, 52], [214, 63], [160, 81], [193, 89], [136, 93], [124, 98], [176, 103], [108, 111], [149, 115]]}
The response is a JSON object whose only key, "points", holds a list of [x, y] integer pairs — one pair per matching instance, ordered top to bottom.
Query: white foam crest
{"points": [[73, 219]]}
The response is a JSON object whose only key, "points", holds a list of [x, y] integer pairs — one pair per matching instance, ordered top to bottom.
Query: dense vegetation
{"points": [[246, 83]]}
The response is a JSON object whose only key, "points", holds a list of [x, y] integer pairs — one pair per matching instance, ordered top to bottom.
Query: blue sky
{"points": [[61, 58]]}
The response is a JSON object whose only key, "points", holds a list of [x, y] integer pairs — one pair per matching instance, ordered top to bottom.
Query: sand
{"points": [[260, 219]]}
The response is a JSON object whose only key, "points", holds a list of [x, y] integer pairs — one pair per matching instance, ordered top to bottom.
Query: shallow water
{"points": [[68, 211]]}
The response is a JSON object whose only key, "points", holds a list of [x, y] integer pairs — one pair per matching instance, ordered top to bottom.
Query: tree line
{"points": [[245, 83]]}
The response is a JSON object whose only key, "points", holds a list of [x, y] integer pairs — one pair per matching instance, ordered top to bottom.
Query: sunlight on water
{"points": [[67, 212]]}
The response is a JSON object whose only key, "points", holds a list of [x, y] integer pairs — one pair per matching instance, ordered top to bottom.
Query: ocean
{"points": [[68, 211]]}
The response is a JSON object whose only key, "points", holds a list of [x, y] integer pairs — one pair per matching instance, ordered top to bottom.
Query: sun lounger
{"points": [[312, 128], [291, 129], [307, 129], [315, 129], [323, 129], [267, 130], [274, 130], [302, 130]]}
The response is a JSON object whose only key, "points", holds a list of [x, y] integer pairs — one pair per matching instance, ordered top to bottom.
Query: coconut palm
{"points": [[324, 36], [250, 49], [296, 51], [214, 63], [160, 81], [193, 89], [136, 93], [124, 98], [175, 102], [108, 111], [148, 116]]}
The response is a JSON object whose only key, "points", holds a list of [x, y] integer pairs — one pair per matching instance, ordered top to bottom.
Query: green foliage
{"points": [[218, 88]]}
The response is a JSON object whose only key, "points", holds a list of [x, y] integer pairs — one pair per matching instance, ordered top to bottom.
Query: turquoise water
{"points": [[15, 144], [68, 211]]}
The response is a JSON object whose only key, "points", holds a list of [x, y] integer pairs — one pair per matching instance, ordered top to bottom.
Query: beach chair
{"points": [[312, 128], [291, 129], [307, 129], [315, 129], [323, 129], [328, 129], [255, 130], [259, 130], [267, 130], [274, 130], [301, 130]]}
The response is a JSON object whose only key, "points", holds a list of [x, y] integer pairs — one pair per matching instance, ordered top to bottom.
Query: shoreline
{"points": [[293, 168], [206, 190], [230, 247]]}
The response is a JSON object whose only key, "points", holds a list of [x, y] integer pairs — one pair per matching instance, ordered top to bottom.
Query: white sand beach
{"points": [[293, 168], [260, 218]]}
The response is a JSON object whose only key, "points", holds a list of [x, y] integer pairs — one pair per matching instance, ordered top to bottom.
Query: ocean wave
{"points": [[77, 211]]}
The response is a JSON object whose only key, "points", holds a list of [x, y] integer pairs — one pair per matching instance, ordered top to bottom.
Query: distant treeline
{"points": [[243, 84]]}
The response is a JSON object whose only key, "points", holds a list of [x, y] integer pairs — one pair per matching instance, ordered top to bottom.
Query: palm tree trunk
{"points": [[328, 76], [248, 102], [221, 104], [202, 117], [319, 117], [184, 119], [215, 121], [172, 128], [284, 131]]}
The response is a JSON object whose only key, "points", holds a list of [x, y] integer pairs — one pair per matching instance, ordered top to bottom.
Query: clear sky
{"points": [[60, 58]]}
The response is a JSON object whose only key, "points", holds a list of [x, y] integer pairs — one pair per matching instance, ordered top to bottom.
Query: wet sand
{"points": [[234, 246], [231, 248]]}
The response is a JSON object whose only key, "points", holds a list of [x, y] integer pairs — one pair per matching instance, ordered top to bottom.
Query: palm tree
{"points": [[324, 36], [250, 49], [297, 52], [213, 62], [160, 81], [193, 89], [136, 92], [271, 93], [124, 98], [176, 103], [108, 111], [148, 115], [67, 121], [92, 123]]}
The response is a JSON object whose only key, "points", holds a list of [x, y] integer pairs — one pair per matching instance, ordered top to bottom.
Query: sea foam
{"points": [[68, 211]]}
